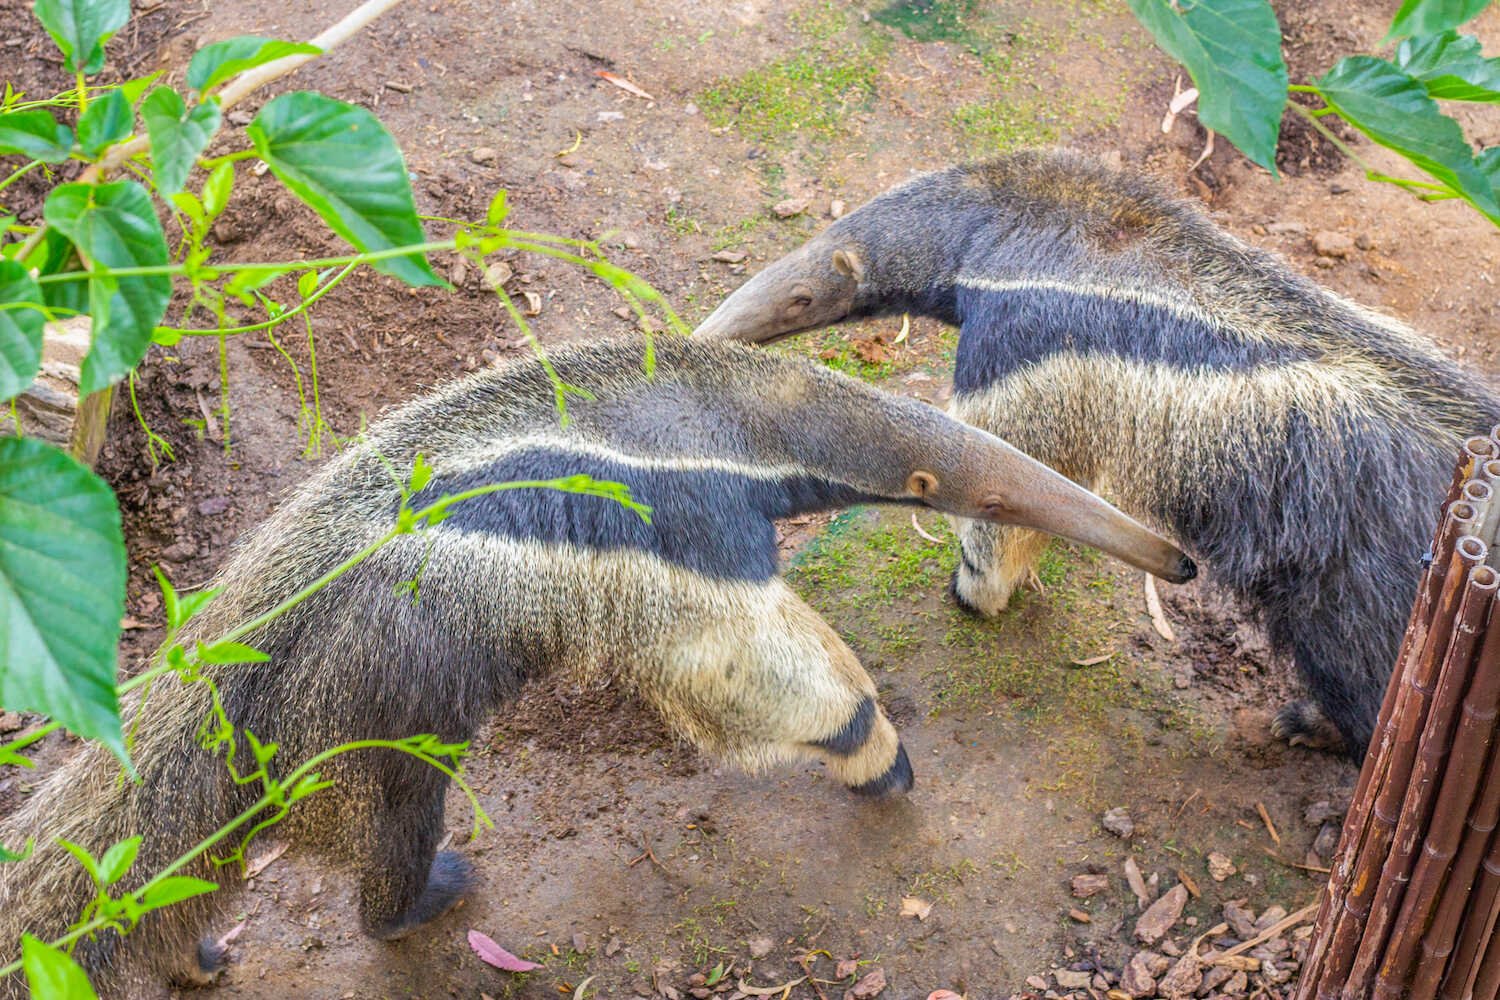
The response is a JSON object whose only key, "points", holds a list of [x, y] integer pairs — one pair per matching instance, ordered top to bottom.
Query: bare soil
{"points": [[619, 854]]}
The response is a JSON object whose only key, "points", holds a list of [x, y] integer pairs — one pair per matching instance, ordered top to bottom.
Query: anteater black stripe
{"points": [[1008, 329], [710, 521], [855, 732], [897, 778]]}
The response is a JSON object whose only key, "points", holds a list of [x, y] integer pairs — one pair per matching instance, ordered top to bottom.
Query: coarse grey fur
{"points": [[1293, 441], [516, 585]]}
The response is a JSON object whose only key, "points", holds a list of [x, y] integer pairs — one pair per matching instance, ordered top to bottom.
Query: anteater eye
{"points": [[798, 304]]}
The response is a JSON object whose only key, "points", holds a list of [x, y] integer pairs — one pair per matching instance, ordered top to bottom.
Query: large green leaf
{"points": [[1428, 17], [81, 27], [1232, 50], [213, 64], [1451, 66], [1394, 110], [107, 121], [35, 134], [177, 135], [342, 162], [115, 225], [20, 329], [62, 590], [51, 974]]}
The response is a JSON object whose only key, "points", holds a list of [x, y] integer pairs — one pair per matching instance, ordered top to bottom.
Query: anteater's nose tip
{"points": [[1186, 570]]}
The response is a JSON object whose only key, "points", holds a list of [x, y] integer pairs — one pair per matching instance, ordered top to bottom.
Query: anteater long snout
{"points": [[1032, 495]]}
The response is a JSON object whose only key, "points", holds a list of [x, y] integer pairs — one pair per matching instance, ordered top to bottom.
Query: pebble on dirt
{"points": [[483, 154], [789, 208], [1331, 244], [1118, 822], [1219, 866], [1085, 886], [1161, 915], [1240, 918], [760, 947], [1137, 980], [872, 985]]}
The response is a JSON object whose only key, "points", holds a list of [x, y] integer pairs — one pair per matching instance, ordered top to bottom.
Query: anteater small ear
{"points": [[847, 263]]}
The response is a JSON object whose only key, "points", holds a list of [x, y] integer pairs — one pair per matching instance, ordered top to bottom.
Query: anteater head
{"points": [[813, 286], [905, 450]]}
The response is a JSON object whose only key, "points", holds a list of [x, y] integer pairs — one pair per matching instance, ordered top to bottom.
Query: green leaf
{"points": [[1428, 17], [81, 27], [1232, 50], [216, 63], [1451, 66], [133, 89], [1395, 111], [107, 120], [35, 134], [177, 135], [342, 162], [1488, 163], [217, 188], [498, 209], [115, 225], [57, 255], [20, 329], [62, 590], [230, 652], [6, 854], [118, 859], [88, 861], [173, 889], [51, 974]]}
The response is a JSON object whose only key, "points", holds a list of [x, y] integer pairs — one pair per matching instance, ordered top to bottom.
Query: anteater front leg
{"points": [[992, 562], [769, 681], [394, 824]]}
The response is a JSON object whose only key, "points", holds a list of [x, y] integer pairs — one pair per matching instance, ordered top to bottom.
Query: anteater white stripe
{"points": [[1180, 307], [588, 448]]}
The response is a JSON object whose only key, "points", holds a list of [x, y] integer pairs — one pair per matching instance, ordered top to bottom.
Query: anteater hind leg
{"points": [[992, 562], [773, 683], [404, 882]]}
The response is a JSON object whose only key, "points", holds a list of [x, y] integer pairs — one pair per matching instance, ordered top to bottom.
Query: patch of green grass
{"points": [[933, 21], [820, 22], [813, 91], [1000, 126], [681, 223], [831, 349]]}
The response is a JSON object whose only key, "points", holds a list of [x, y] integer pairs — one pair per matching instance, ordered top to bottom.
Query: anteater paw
{"points": [[959, 599], [1302, 723], [897, 779], [450, 879], [204, 966]]}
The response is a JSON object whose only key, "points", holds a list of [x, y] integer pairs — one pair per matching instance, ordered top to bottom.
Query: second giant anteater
{"points": [[1296, 443], [688, 609]]}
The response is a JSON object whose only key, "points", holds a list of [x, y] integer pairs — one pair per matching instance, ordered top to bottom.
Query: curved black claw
{"points": [[1302, 723], [451, 877]]}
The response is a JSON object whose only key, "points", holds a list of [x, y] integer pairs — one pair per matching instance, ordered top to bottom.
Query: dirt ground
{"points": [[618, 855]]}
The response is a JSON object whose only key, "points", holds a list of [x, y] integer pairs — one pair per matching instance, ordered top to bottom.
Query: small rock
{"points": [[610, 116], [483, 154], [1114, 159], [789, 208], [837, 208], [1286, 228], [226, 232], [1364, 242], [1332, 244], [730, 256], [1324, 262], [457, 274], [497, 274], [624, 312], [213, 506], [179, 551], [10, 722], [1321, 812], [1118, 822], [1327, 840], [1219, 866], [1137, 884], [1085, 886], [1161, 915], [1272, 915], [1081, 916], [1240, 918], [580, 942], [760, 947], [1169, 947], [613, 948], [1157, 964], [845, 968], [1275, 973], [1214, 977], [697, 979], [1182, 979], [1073, 980], [1136, 980], [1036, 982], [1238, 983], [872, 985]]}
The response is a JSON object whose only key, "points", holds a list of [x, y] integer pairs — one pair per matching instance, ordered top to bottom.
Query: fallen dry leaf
{"points": [[622, 83], [905, 328], [872, 350], [1153, 607], [1092, 660], [261, 862], [1137, 883], [911, 906], [492, 954], [845, 968], [872, 985], [770, 991], [943, 995]]}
